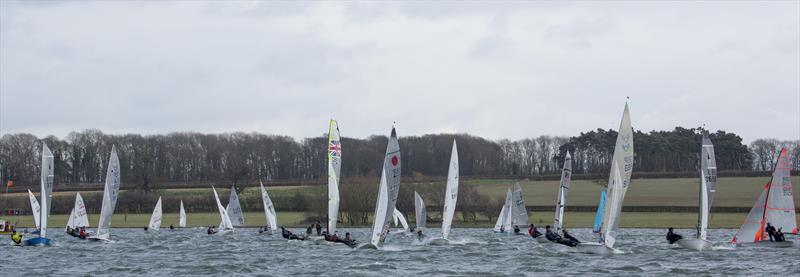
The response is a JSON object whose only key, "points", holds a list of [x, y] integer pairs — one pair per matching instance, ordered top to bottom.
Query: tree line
{"points": [[146, 160]]}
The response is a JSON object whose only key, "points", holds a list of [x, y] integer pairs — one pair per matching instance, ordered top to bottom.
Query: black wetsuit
{"points": [[319, 229], [771, 231], [552, 236], [779, 236], [673, 237], [569, 240]]}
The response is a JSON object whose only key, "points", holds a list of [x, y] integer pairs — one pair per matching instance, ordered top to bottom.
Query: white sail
{"points": [[334, 168], [619, 179], [708, 180], [47, 188], [389, 188], [563, 189], [110, 193], [451, 193], [775, 205], [36, 209], [235, 209], [269, 209], [420, 212], [507, 212], [223, 213], [519, 215], [81, 217], [182, 217], [155, 218], [399, 219], [501, 219], [70, 220], [379, 226]]}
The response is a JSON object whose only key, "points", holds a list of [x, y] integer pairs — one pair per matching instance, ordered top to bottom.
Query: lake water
{"points": [[478, 252]]}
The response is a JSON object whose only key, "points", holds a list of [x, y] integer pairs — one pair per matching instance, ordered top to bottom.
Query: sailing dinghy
{"points": [[708, 180], [618, 182], [46, 192], [387, 193], [110, 194], [450, 198], [561, 199], [775, 206], [35, 208], [234, 209], [269, 211], [420, 213], [78, 217], [182, 217], [155, 218], [503, 219], [226, 226]]}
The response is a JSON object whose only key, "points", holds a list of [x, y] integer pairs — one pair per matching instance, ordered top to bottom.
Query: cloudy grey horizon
{"points": [[496, 70]]}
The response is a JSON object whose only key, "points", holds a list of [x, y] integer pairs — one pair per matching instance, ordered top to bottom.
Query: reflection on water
{"points": [[476, 252]]}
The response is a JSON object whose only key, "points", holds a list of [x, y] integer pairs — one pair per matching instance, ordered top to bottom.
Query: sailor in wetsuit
{"points": [[770, 231], [534, 232], [779, 235], [16, 237], [672, 237]]}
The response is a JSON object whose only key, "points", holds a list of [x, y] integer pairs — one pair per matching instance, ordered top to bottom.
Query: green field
{"points": [[731, 192]]}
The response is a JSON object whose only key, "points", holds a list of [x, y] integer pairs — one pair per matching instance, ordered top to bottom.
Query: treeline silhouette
{"points": [[81, 157]]}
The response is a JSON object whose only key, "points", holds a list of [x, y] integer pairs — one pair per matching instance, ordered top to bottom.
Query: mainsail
{"points": [[334, 167], [618, 180], [708, 180], [47, 188], [563, 189], [110, 193], [387, 193], [451, 193], [775, 205], [35, 208], [235, 209], [269, 209], [601, 209], [419, 212], [223, 213], [519, 213], [79, 216], [182, 217], [155, 218], [399, 219], [70, 220], [503, 220]]}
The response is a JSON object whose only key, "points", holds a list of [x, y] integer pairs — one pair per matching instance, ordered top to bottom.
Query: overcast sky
{"points": [[508, 70]]}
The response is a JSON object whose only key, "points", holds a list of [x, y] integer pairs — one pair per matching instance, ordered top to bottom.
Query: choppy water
{"points": [[478, 252]]}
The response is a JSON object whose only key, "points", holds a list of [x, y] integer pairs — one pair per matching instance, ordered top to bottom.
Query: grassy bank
{"points": [[295, 219]]}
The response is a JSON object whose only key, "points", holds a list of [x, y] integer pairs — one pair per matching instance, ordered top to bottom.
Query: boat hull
{"points": [[542, 239], [439, 241], [38, 242], [767, 243], [695, 244], [367, 246], [595, 248]]}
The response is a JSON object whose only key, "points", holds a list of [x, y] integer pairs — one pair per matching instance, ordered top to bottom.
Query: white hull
{"points": [[439, 241], [787, 243], [695, 244], [367, 246], [595, 248]]}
